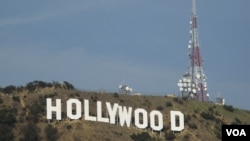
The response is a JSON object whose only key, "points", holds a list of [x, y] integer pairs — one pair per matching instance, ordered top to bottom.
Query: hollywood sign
{"points": [[142, 119]]}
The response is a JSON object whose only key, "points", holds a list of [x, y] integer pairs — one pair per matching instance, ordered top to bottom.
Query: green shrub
{"points": [[68, 85], [9, 89], [77, 94], [116, 95], [16, 98], [94, 98], [185, 98], [1, 100], [42, 100], [178, 100], [169, 104], [160, 108], [229, 108], [211, 109], [196, 110], [35, 111], [217, 113], [208, 116], [7, 117], [187, 118], [236, 121], [7, 122], [192, 125], [69, 127], [6, 133], [31, 133], [51, 133], [170, 136], [142, 137], [186, 137]]}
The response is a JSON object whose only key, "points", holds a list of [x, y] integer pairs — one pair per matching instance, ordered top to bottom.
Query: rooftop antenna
{"points": [[124, 89], [219, 100]]}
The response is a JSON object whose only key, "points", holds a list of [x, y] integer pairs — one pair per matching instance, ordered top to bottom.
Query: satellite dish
{"points": [[198, 75], [184, 80], [180, 84], [185, 84], [193, 85], [127, 88], [131, 89], [194, 90]]}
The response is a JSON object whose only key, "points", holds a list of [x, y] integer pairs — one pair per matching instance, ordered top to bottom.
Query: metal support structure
{"points": [[193, 83], [124, 89]]}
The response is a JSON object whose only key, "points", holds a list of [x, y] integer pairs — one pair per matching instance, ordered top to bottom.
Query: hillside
{"points": [[23, 116]]}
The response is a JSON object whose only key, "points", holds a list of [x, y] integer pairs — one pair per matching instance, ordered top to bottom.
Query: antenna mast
{"points": [[193, 83]]}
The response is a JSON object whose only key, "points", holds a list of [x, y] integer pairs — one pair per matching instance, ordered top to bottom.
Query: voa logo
{"points": [[236, 132]]}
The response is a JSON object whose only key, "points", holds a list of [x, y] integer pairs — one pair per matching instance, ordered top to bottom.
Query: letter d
{"points": [[173, 115]]}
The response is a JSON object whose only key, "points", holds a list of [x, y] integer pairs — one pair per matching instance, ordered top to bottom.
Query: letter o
{"points": [[78, 108], [154, 114], [144, 123], [236, 132]]}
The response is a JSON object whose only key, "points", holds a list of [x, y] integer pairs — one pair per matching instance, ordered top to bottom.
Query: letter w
{"points": [[125, 115]]}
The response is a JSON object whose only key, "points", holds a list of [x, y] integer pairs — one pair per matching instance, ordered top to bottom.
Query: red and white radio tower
{"points": [[193, 83]]}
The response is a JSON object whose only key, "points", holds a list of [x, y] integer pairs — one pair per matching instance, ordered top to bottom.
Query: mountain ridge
{"points": [[25, 107]]}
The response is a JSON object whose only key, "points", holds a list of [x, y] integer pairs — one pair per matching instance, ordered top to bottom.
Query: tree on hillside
{"points": [[40, 84], [68, 85], [30, 86], [9, 89], [1, 100], [35, 111], [7, 117], [7, 122], [30, 132], [6, 133], [51, 133], [144, 136], [169, 136]]}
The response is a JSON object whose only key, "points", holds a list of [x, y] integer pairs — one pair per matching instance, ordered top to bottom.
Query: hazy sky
{"points": [[97, 44]]}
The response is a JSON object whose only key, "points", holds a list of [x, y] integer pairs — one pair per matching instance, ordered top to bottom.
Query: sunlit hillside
{"points": [[23, 116]]}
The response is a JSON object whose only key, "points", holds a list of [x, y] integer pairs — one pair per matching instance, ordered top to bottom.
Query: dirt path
{"points": [[22, 101]]}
